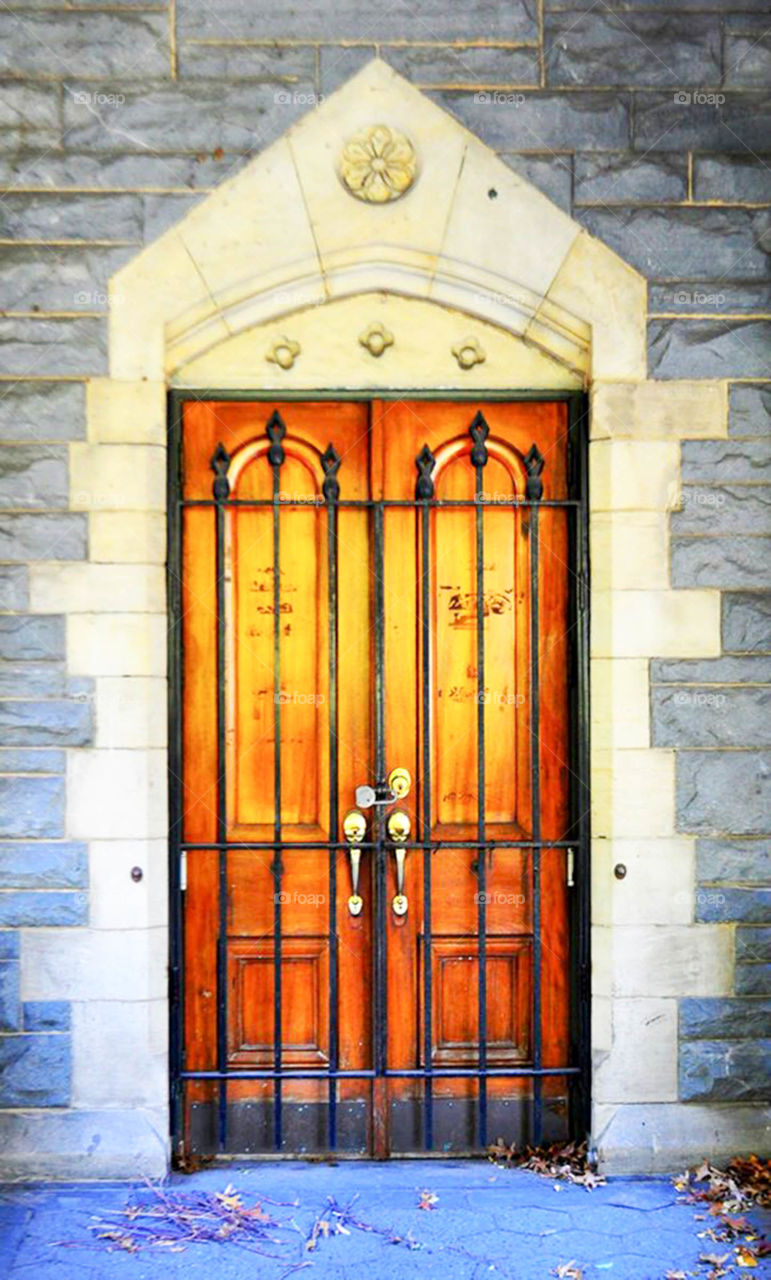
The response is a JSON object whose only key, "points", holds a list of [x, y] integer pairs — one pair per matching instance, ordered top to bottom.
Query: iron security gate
{"points": [[379, 802]]}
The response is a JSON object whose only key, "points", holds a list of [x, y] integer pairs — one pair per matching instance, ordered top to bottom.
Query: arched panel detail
{"points": [[293, 447], [504, 453]]}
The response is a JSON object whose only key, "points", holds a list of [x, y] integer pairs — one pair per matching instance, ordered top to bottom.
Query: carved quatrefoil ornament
{"points": [[378, 164], [376, 339], [284, 352], [468, 353]]}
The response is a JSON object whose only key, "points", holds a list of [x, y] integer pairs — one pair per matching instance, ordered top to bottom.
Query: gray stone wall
{"points": [[645, 120], [717, 714]]}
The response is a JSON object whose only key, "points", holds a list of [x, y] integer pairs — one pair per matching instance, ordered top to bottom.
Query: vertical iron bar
{"points": [[276, 432], [479, 433], [534, 464], [221, 490], [331, 490], [424, 492], [175, 705], [581, 912], [381, 959]]}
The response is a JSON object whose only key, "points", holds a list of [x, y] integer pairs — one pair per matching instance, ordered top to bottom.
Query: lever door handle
{"points": [[398, 827], [354, 830]]}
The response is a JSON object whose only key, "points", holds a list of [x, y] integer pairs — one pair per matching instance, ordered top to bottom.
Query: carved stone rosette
{"points": [[378, 164]]}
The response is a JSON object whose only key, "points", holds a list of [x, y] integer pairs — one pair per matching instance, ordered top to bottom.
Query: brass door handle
{"points": [[398, 827], [354, 830]]}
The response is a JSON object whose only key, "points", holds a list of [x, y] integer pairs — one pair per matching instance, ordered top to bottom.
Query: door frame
{"points": [[579, 612]]}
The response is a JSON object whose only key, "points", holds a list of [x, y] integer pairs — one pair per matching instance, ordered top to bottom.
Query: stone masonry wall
{"points": [[644, 119]]}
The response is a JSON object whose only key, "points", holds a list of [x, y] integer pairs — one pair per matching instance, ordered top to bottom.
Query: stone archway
{"points": [[274, 281]]}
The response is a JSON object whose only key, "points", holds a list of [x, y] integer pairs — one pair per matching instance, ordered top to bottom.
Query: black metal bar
{"points": [[235, 396], [276, 430], [479, 432], [534, 464], [221, 488], [331, 490], [424, 491], [384, 502], [175, 712], [436, 845], [380, 871], [580, 906], [393, 1073]]}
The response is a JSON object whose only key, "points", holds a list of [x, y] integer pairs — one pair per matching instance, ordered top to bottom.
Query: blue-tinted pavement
{"points": [[485, 1222]]}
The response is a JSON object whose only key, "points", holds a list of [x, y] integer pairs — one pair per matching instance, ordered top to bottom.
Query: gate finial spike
{"points": [[276, 430], [479, 431], [330, 461], [425, 462], [219, 464], [534, 465]]}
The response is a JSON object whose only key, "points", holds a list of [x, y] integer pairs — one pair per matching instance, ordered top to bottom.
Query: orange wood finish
{"points": [[378, 442]]}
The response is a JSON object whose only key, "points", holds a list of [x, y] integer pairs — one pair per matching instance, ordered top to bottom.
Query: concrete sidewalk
{"points": [[484, 1222]]}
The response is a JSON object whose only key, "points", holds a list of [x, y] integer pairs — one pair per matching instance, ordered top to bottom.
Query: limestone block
{"points": [[596, 285], [658, 410], [125, 412], [634, 475], [117, 477], [127, 537], [629, 550], [97, 588], [663, 624], [117, 644], [131, 711], [620, 712], [633, 793], [116, 794], [658, 887], [116, 900], [672, 960], [94, 964], [120, 1053], [642, 1064], [668, 1137], [62, 1143]]}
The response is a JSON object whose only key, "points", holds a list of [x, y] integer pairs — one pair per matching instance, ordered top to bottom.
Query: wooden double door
{"points": [[375, 804]]}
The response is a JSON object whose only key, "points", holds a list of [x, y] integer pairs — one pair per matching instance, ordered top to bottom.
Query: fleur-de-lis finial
{"points": [[276, 431], [479, 431], [330, 461], [425, 462], [219, 464], [534, 465]]}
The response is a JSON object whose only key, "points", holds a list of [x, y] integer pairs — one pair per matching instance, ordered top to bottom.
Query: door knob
{"points": [[398, 827], [354, 830]]}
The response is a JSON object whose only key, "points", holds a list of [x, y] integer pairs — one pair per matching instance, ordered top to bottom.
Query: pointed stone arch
{"points": [[285, 243]]}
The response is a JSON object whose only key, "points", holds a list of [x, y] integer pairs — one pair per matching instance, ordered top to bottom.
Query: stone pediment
{"points": [[377, 194]]}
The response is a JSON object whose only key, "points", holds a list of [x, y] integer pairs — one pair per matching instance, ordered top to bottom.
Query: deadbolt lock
{"points": [[399, 782]]}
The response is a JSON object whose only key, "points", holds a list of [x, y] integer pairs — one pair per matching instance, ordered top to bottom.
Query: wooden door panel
{"points": [[399, 432], [455, 1011]]}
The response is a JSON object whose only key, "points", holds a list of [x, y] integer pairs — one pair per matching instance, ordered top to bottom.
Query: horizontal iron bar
{"points": [[456, 395], [367, 504], [314, 846], [392, 1073]]}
